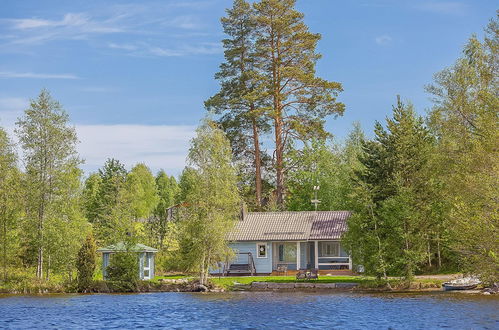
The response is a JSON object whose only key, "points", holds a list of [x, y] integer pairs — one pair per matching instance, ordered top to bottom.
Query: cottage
{"points": [[276, 242], [145, 258]]}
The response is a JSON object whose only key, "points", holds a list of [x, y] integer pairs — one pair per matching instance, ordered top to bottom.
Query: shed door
{"points": [[147, 266]]}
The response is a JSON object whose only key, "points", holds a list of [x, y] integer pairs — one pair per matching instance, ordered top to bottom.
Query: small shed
{"points": [[145, 258]]}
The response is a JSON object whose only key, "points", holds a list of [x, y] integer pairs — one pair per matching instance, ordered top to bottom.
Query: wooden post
{"points": [[316, 247], [298, 256]]}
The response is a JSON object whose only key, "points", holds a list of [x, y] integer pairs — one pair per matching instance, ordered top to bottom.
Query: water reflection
{"points": [[241, 310]]}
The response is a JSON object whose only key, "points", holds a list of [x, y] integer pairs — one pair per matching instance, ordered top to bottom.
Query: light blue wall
{"points": [[106, 260], [262, 265]]}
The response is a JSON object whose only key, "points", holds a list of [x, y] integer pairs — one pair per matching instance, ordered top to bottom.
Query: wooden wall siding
{"points": [[262, 265]]}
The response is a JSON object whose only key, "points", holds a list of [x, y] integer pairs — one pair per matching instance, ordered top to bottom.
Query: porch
{"points": [[327, 256]]}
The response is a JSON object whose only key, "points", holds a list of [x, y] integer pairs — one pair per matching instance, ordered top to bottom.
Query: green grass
{"points": [[229, 282]]}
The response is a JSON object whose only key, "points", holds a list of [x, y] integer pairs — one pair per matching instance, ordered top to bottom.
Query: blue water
{"points": [[247, 310]]}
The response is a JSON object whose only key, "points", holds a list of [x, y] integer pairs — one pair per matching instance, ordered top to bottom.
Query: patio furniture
{"points": [[282, 269], [309, 274]]}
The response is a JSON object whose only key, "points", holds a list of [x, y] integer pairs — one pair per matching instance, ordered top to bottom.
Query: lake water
{"points": [[245, 310]]}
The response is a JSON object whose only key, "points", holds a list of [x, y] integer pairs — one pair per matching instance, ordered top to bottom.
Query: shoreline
{"points": [[259, 287]]}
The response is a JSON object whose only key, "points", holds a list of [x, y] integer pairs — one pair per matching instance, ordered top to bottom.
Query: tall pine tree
{"points": [[299, 101]]}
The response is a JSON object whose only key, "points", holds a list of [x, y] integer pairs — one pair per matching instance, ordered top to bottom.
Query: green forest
{"points": [[423, 189]]}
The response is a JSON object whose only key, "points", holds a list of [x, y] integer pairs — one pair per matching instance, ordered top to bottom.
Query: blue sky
{"points": [[133, 75]]}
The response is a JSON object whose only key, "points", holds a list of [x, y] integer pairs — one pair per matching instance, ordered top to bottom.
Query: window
{"points": [[261, 249], [329, 249], [287, 252]]}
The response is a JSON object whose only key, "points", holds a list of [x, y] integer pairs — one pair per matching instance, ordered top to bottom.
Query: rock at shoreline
{"points": [[200, 288]]}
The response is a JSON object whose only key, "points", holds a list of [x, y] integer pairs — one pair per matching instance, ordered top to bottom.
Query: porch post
{"points": [[316, 247], [298, 256]]}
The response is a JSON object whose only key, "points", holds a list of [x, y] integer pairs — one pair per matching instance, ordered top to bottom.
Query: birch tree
{"points": [[465, 118], [49, 149], [10, 200], [212, 200]]}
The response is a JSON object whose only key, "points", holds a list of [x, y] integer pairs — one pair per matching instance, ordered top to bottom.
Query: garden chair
{"points": [[282, 269]]}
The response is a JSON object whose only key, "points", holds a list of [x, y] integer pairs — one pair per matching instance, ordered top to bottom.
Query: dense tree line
{"points": [[423, 189], [47, 210]]}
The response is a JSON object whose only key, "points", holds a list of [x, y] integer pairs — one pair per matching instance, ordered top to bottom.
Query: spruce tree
{"points": [[85, 264]]}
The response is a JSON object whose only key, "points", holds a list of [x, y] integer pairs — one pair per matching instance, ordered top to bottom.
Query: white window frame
{"points": [[323, 249], [258, 250], [148, 261]]}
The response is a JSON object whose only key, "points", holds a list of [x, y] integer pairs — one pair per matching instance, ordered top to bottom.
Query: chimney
{"points": [[244, 211]]}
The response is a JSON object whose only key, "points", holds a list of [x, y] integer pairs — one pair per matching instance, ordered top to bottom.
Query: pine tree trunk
{"points": [[277, 115], [279, 163], [258, 164]]}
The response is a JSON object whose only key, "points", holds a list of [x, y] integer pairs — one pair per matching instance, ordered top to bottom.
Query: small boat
{"points": [[466, 283]]}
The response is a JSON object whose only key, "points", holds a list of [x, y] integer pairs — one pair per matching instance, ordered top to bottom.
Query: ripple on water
{"points": [[245, 310]]}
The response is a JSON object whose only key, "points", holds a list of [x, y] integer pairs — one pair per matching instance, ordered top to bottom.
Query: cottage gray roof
{"points": [[290, 226]]}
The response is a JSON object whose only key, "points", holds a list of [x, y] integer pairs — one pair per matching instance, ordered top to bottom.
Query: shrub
{"points": [[85, 264], [123, 270]]}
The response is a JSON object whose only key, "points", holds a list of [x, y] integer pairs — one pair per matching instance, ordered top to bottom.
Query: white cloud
{"points": [[442, 7], [82, 21], [185, 22], [31, 23], [151, 30], [383, 40], [129, 47], [144, 49], [7, 74], [11, 108], [158, 146]]}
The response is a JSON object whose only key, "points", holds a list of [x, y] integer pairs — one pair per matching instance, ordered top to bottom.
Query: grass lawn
{"points": [[170, 277], [228, 282]]}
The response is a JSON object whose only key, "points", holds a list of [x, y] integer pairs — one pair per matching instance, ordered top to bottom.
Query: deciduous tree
{"points": [[49, 146], [10, 200], [212, 200]]}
